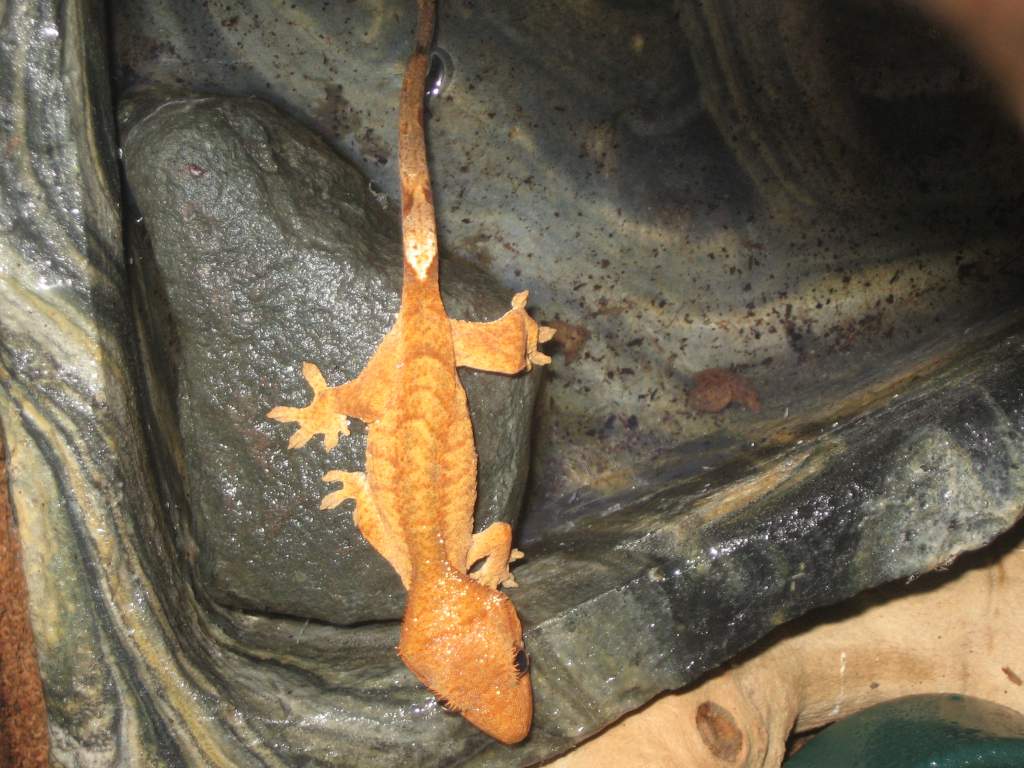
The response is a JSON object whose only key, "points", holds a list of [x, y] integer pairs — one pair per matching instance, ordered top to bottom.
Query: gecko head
{"points": [[464, 642]]}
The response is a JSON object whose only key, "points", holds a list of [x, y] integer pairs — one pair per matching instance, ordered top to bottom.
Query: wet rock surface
{"points": [[796, 192], [269, 250]]}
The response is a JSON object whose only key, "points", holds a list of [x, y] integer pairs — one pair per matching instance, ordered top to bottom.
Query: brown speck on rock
{"points": [[1012, 676]]}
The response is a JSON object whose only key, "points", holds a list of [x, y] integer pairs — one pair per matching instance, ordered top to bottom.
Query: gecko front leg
{"points": [[506, 345], [363, 398]]}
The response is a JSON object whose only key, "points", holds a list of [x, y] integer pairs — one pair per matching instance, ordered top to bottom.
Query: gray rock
{"points": [[791, 190], [269, 250]]}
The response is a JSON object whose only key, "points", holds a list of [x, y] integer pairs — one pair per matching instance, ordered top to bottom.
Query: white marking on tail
{"points": [[420, 252]]}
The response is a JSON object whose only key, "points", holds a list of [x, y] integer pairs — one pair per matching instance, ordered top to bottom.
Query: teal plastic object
{"points": [[928, 731]]}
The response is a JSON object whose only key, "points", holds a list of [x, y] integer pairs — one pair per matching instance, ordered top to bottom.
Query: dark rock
{"points": [[798, 193], [271, 250], [658, 588]]}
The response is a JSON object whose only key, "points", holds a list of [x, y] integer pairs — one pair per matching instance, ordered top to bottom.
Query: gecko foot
{"points": [[535, 334], [317, 418], [353, 484], [493, 546], [510, 580]]}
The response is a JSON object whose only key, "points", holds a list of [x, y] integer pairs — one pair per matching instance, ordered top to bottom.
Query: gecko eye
{"points": [[440, 73], [522, 662]]}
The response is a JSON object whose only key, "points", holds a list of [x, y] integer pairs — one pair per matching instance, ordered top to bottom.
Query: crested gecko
{"points": [[460, 634]]}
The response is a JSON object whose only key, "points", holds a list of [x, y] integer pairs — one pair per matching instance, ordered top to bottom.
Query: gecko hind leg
{"points": [[368, 519], [495, 544]]}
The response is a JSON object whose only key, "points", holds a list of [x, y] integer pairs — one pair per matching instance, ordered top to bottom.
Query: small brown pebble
{"points": [[715, 388]]}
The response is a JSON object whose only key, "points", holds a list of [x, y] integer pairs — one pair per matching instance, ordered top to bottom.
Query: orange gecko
{"points": [[460, 635]]}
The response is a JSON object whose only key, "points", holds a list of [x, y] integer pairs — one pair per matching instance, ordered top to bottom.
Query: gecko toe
{"points": [[314, 377], [283, 413], [300, 438], [330, 441], [334, 499]]}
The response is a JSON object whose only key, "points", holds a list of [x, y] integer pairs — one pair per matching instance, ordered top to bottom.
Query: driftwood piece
{"points": [[953, 632]]}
